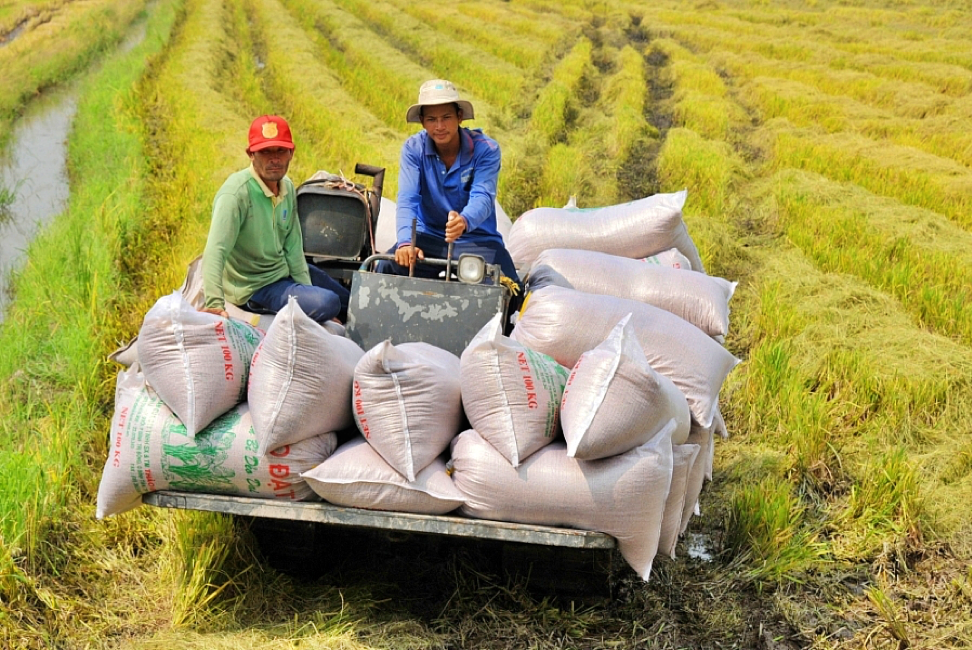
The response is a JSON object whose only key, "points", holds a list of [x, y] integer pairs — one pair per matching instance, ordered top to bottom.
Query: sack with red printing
{"points": [[565, 324], [197, 362], [300, 380], [510, 393], [407, 403], [150, 449]]}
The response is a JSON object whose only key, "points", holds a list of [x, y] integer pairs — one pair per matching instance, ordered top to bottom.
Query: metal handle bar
{"points": [[492, 270]]}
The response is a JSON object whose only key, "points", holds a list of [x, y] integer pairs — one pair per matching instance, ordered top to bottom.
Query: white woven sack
{"points": [[637, 229], [670, 258], [702, 300], [565, 324], [197, 362], [300, 380], [510, 393], [614, 401], [407, 403], [151, 450], [683, 456], [355, 476], [696, 477], [623, 496]]}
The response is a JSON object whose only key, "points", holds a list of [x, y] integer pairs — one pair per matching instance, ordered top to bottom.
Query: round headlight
{"points": [[472, 268]]}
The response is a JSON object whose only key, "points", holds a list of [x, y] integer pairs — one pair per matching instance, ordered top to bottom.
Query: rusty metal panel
{"points": [[445, 314], [330, 514]]}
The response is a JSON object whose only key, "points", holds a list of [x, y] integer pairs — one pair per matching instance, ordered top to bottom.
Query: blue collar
{"points": [[466, 146]]}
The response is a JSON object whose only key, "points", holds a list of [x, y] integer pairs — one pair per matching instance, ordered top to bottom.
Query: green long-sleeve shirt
{"points": [[254, 240]]}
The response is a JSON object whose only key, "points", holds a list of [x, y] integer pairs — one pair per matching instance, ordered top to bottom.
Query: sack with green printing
{"points": [[197, 362], [510, 393], [150, 449]]}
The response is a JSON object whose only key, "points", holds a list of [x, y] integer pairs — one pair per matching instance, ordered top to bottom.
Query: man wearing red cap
{"points": [[254, 256]]}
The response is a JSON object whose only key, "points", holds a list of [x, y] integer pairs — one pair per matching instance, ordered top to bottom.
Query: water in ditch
{"points": [[34, 185]]}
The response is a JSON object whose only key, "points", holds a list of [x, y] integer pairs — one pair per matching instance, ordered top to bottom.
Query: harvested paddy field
{"points": [[827, 152]]}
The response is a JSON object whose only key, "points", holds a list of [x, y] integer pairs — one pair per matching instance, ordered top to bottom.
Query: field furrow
{"points": [[811, 48], [525, 51], [373, 72], [480, 73], [556, 106], [329, 121]]}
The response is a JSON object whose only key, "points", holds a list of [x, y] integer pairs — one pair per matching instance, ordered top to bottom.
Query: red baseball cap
{"points": [[269, 131]]}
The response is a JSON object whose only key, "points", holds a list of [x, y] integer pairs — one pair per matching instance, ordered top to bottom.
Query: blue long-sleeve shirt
{"points": [[428, 191]]}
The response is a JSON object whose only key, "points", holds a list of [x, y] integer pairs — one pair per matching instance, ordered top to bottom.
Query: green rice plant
{"points": [[372, 71], [481, 74], [553, 109], [708, 167], [912, 177], [7, 197], [56, 334], [776, 398], [22, 477], [885, 504], [766, 529], [203, 543], [889, 612]]}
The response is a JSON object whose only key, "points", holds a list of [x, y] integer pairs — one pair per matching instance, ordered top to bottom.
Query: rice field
{"points": [[827, 151]]}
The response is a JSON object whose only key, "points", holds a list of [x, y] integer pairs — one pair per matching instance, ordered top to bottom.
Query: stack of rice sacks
{"points": [[613, 298], [215, 405], [597, 413]]}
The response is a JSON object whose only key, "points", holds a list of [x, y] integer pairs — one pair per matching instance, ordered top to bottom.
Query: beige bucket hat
{"points": [[435, 92]]}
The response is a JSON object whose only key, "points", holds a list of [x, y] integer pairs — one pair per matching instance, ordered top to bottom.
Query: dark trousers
{"points": [[324, 300]]}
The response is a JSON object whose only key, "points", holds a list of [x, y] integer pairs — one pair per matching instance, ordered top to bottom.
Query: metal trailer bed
{"points": [[325, 513]]}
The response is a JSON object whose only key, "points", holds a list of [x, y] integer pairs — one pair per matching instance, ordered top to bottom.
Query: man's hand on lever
{"points": [[454, 227], [405, 255]]}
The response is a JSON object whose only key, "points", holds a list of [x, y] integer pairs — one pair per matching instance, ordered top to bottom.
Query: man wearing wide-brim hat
{"points": [[447, 182], [254, 256]]}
